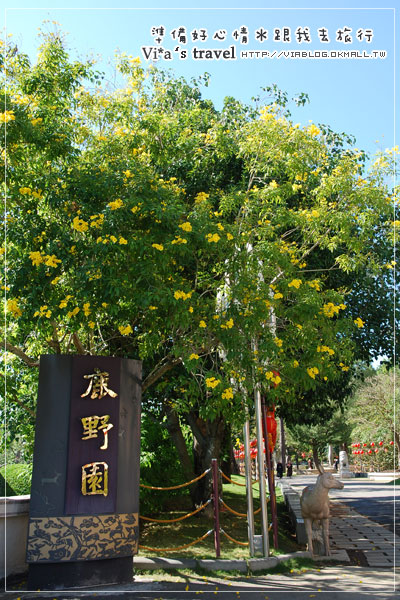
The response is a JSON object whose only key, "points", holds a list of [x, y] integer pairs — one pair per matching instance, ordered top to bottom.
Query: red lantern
{"points": [[271, 428]]}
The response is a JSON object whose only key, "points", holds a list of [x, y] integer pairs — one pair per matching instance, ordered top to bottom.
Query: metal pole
{"points": [[214, 463], [261, 471], [271, 485], [249, 487]]}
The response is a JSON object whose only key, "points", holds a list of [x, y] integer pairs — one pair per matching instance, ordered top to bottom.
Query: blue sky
{"points": [[357, 96]]}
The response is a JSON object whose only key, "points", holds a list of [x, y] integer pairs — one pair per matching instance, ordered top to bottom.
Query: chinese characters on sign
{"points": [[243, 35], [98, 382], [95, 474], [95, 479]]}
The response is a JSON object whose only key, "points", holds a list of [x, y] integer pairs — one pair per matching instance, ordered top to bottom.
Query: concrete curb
{"points": [[252, 564]]}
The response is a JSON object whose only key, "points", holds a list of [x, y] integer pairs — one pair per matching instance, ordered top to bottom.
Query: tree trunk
{"points": [[174, 429], [207, 440], [397, 442], [317, 462]]}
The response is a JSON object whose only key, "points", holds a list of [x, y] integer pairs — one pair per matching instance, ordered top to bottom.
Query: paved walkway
{"points": [[369, 543]]}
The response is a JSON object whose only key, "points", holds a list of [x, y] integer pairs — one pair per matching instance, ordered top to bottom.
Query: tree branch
{"points": [[78, 344], [31, 362], [159, 371], [22, 405]]}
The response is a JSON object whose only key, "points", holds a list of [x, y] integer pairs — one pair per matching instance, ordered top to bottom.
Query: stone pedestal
{"points": [[83, 526]]}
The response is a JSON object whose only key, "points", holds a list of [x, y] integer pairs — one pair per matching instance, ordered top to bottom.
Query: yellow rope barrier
{"points": [[235, 482], [175, 487], [238, 514], [178, 518], [200, 539], [233, 540]]}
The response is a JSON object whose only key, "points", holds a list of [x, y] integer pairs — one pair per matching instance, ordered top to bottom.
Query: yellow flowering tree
{"points": [[220, 247]]}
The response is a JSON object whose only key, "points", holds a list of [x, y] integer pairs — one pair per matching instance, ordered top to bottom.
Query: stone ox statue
{"points": [[314, 504]]}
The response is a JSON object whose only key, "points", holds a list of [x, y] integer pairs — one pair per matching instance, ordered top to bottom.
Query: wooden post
{"points": [[216, 507]]}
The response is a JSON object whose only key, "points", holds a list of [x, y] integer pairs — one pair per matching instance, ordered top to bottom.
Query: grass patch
{"points": [[18, 477], [173, 535]]}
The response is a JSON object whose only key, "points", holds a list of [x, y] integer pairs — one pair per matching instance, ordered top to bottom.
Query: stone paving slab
{"points": [[350, 530]]}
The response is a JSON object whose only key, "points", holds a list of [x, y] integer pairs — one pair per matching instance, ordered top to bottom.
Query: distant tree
{"points": [[374, 410]]}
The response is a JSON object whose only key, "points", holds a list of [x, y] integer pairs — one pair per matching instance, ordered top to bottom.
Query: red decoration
{"points": [[271, 428], [381, 443], [391, 443], [372, 444], [365, 445], [376, 450], [361, 451], [369, 451]]}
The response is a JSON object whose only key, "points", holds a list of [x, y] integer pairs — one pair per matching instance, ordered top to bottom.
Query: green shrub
{"points": [[18, 477], [5, 488]]}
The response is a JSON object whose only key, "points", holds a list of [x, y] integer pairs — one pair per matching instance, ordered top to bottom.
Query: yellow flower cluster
{"points": [[7, 116], [37, 121], [313, 130], [273, 185], [25, 191], [201, 197], [115, 204], [96, 221], [80, 224], [186, 226], [229, 236], [213, 237], [111, 238], [179, 240], [159, 247], [38, 258], [295, 283], [314, 284], [179, 294], [278, 295], [64, 302], [12, 306], [86, 309], [330, 309], [43, 312], [73, 312], [359, 322], [202, 324], [227, 325], [125, 330], [326, 349], [194, 357], [296, 363], [344, 368], [312, 371], [274, 377], [211, 382], [227, 394]]}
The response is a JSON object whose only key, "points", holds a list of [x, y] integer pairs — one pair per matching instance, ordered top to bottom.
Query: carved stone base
{"points": [[345, 474], [88, 574]]}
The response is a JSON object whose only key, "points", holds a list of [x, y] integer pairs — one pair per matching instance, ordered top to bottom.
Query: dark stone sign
{"points": [[83, 527]]}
